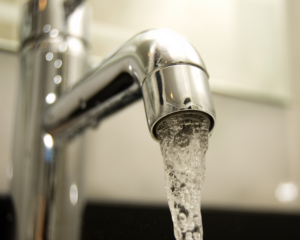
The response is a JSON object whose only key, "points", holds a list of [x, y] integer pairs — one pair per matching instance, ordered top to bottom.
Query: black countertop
{"points": [[121, 221]]}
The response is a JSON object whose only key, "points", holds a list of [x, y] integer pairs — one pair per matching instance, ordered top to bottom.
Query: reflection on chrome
{"points": [[46, 28], [54, 33], [73, 43], [63, 47], [49, 56], [58, 63], [184, 74], [57, 79], [50, 98], [48, 141], [286, 192], [73, 194]]}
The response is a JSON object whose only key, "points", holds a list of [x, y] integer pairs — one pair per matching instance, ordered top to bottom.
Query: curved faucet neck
{"points": [[155, 56]]}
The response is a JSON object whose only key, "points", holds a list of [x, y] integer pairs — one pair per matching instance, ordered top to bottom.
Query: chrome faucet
{"points": [[59, 98]]}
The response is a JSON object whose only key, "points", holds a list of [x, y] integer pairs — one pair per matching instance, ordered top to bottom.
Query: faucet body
{"points": [[158, 65], [59, 99], [44, 177]]}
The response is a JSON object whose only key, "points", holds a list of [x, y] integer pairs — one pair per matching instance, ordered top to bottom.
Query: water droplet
{"points": [[46, 28], [54, 33], [49, 56], [58, 63], [57, 79], [74, 194]]}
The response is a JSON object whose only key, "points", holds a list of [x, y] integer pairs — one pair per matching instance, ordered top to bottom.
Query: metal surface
{"points": [[48, 19], [160, 62], [176, 89], [47, 180]]}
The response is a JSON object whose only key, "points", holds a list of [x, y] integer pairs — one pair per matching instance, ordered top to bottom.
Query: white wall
{"points": [[246, 160]]}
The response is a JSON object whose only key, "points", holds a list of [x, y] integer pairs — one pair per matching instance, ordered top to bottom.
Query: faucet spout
{"points": [[159, 65]]}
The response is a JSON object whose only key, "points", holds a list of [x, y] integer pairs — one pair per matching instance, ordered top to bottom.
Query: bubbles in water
{"points": [[184, 142]]}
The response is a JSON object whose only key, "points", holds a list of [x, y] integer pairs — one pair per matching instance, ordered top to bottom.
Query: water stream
{"points": [[184, 140]]}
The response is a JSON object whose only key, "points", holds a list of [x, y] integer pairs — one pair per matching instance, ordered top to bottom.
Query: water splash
{"points": [[184, 140]]}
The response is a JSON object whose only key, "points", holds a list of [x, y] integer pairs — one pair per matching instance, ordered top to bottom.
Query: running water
{"points": [[184, 141]]}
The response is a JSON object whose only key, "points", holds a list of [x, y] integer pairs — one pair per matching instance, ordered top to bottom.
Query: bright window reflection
{"points": [[51, 97], [287, 192], [73, 194]]}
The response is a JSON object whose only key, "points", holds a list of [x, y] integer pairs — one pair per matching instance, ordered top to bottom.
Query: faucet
{"points": [[60, 97]]}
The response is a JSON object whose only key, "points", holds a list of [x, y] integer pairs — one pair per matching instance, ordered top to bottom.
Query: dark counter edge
{"points": [[111, 221]]}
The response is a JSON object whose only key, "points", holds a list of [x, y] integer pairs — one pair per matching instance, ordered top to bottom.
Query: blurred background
{"points": [[252, 52]]}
